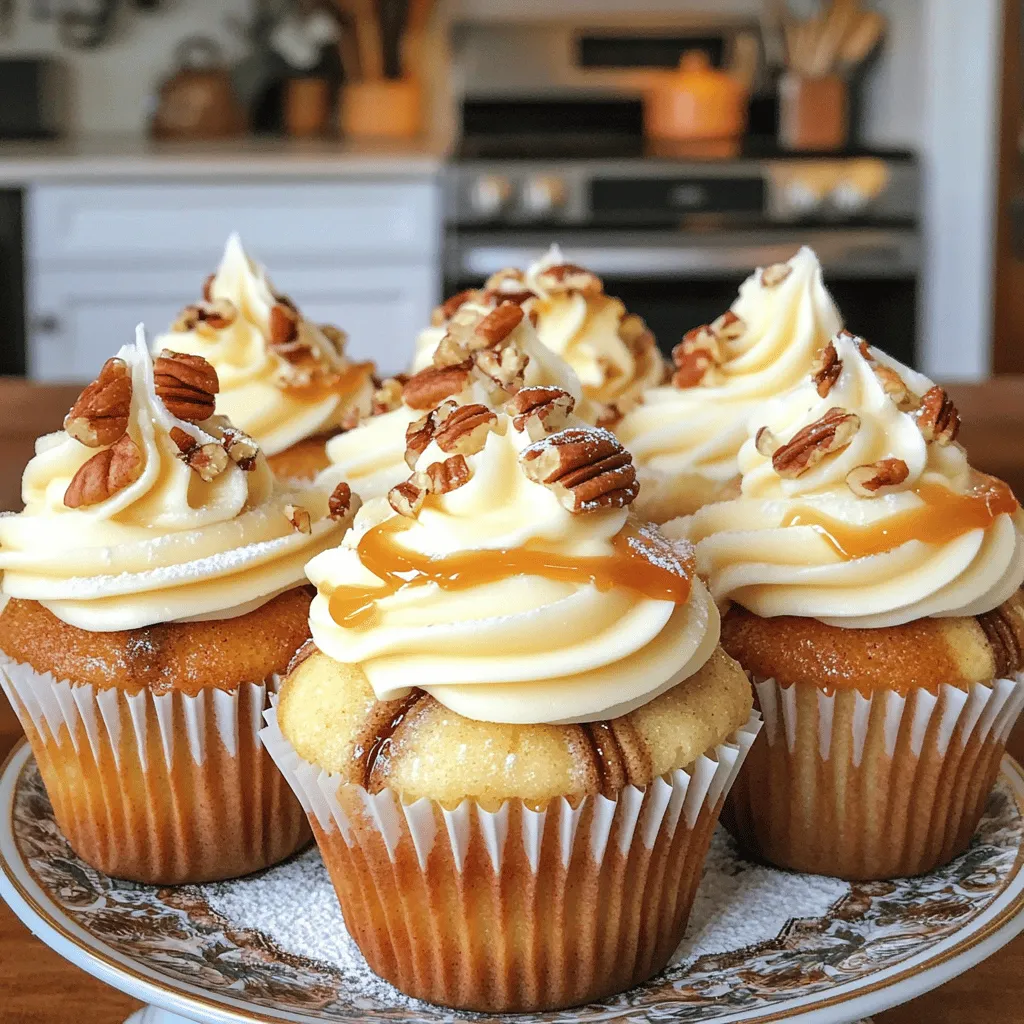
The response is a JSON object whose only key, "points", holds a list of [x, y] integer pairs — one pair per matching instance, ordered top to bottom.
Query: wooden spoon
{"points": [[861, 40]]}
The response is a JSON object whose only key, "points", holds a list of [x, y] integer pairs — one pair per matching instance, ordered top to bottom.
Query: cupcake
{"points": [[610, 350], [483, 353], [284, 380], [685, 435], [875, 581], [153, 594], [516, 727]]}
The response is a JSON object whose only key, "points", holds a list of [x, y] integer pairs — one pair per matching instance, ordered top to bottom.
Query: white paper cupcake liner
{"points": [[870, 786], [161, 788], [516, 908]]}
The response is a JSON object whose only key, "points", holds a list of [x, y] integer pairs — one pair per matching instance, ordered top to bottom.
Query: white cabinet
{"points": [[102, 258]]}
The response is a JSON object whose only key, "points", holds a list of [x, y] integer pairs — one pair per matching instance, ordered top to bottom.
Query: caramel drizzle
{"points": [[943, 517], [631, 567]]}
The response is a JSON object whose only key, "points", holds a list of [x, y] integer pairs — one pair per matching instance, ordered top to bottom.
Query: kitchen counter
{"points": [[139, 159]]}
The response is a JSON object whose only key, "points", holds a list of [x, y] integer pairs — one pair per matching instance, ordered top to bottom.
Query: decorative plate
{"points": [[273, 947]]}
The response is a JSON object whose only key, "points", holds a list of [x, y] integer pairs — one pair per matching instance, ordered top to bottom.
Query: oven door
{"points": [[677, 281]]}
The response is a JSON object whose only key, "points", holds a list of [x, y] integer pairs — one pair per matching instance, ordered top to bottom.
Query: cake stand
{"points": [[881, 944]]}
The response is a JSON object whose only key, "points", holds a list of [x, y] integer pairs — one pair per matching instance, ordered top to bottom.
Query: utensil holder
{"points": [[307, 107], [382, 108], [814, 112]]}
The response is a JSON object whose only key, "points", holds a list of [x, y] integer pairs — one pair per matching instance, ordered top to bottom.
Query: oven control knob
{"points": [[489, 195], [543, 196], [849, 198], [800, 199]]}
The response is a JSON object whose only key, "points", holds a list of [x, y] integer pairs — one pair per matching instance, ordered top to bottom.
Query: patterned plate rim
{"points": [[993, 928]]}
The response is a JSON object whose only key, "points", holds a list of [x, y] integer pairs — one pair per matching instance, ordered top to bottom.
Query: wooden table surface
{"points": [[38, 987]]}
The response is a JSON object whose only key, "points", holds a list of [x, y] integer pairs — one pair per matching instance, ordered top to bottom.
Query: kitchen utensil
{"points": [[364, 17], [393, 17], [861, 40], [414, 57], [197, 101], [697, 106], [307, 107], [813, 112]]}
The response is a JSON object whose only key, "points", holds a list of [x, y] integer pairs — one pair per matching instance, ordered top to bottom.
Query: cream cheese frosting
{"points": [[612, 353], [278, 394], [685, 439], [372, 456], [935, 539], [168, 546], [522, 647]]}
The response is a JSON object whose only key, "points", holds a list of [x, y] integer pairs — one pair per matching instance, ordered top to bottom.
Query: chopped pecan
{"points": [[773, 276], [567, 277], [509, 279], [208, 287], [519, 296], [443, 313], [214, 314], [284, 323], [728, 327], [494, 328], [634, 332], [336, 336], [450, 352], [505, 367], [693, 368], [825, 369], [186, 385], [432, 385], [895, 387], [540, 410], [100, 414], [610, 415], [938, 419], [463, 429], [832, 433], [418, 436], [766, 443], [240, 447], [207, 460], [586, 468], [105, 473], [449, 475], [870, 481], [407, 497], [340, 501], [299, 517]]}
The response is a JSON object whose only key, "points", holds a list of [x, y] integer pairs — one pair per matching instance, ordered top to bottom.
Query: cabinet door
{"points": [[78, 318]]}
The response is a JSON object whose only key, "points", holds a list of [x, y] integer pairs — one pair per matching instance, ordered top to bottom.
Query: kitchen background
{"points": [[136, 134]]}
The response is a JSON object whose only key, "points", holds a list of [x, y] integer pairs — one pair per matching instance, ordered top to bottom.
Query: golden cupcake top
{"points": [[759, 348], [610, 350], [483, 355], [282, 377], [857, 505], [147, 507], [506, 577]]}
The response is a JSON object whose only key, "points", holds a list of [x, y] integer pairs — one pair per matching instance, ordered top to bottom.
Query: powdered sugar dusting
{"points": [[738, 904]]}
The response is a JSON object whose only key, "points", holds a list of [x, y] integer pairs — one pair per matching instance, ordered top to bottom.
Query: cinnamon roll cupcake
{"points": [[875, 584], [153, 593], [516, 728]]}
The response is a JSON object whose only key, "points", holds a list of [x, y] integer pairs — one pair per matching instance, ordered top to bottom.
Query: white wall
{"points": [[111, 87]]}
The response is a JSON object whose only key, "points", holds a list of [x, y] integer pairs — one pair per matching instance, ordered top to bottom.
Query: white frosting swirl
{"points": [[255, 393], [685, 440], [372, 457], [167, 547], [749, 554], [522, 648]]}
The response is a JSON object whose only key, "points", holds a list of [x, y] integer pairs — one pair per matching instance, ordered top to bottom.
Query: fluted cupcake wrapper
{"points": [[870, 787], [159, 788], [516, 908]]}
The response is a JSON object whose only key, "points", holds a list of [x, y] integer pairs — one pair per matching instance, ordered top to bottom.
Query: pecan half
{"points": [[773, 276], [568, 277], [443, 313], [214, 314], [284, 323], [494, 328], [505, 367], [692, 368], [825, 369], [186, 385], [432, 385], [895, 387], [540, 410], [100, 414], [938, 419], [463, 430], [832, 433], [418, 436], [240, 447], [208, 460], [587, 468], [104, 474], [449, 475], [870, 481], [407, 497], [340, 501], [299, 517]]}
